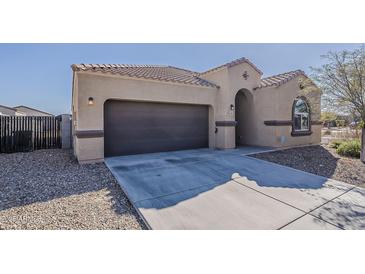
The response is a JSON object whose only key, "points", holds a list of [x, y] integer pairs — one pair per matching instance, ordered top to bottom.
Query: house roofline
{"points": [[232, 64], [93, 68], [127, 77], [271, 81], [8, 107], [16, 108]]}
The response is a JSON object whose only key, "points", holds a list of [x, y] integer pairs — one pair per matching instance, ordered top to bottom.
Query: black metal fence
{"points": [[28, 133]]}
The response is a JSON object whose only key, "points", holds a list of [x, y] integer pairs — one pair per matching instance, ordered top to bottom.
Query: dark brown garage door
{"points": [[140, 127]]}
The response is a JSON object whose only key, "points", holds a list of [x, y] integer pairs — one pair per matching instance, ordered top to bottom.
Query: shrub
{"points": [[340, 123], [361, 124], [327, 132], [335, 144], [349, 148]]}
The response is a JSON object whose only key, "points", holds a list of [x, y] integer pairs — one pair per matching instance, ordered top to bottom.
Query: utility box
{"points": [[66, 136]]}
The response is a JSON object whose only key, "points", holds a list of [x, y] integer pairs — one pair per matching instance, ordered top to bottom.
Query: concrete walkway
{"points": [[212, 189]]}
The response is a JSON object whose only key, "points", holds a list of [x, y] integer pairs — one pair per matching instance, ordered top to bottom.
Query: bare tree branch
{"points": [[342, 80]]}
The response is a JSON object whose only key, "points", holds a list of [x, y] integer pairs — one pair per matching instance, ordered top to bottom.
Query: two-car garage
{"points": [[132, 127]]}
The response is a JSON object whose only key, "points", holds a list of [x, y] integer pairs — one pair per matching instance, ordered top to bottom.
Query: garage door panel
{"points": [[170, 118], [164, 123], [140, 127], [159, 133], [139, 147]]}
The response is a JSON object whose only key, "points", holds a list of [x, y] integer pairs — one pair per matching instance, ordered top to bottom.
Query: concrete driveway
{"points": [[212, 189]]}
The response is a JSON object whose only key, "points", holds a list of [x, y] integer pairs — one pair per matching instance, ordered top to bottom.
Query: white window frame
{"points": [[301, 114]]}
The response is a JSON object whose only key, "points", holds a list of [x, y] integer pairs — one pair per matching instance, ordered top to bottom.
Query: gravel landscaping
{"points": [[320, 160], [48, 189]]}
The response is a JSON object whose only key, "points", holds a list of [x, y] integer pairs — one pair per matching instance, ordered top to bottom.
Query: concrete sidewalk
{"points": [[212, 189]]}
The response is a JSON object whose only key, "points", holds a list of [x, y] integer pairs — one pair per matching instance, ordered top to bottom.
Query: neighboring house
{"points": [[132, 109], [9, 111], [21, 111], [28, 111]]}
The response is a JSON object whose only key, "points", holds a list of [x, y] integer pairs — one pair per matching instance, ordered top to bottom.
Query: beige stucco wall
{"points": [[230, 81], [103, 87], [274, 103]]}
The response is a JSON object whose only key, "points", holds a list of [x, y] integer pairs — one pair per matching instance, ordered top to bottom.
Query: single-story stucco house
{"points": [[132, 109], [9, 111], [21, 111], [28, 111]]}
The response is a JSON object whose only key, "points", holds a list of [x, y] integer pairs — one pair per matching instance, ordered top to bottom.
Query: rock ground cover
{"points": [[320, 160], [48, 189]]}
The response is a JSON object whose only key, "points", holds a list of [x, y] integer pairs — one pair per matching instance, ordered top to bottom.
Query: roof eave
{"points": [[233, 64], [110, 74], [282, 82], [8, 107], [32, 109]]}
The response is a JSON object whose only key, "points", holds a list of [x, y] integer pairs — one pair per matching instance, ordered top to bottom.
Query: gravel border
{"points": [[321, 160], [48, 189]]}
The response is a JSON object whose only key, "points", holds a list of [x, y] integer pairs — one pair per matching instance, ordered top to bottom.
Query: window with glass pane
{"points": [[301, 116]]}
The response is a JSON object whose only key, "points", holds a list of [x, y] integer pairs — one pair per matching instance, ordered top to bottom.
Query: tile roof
{"points": [[234, 63], [154, 72], [278, 80], [21, 106], [8, 107]]}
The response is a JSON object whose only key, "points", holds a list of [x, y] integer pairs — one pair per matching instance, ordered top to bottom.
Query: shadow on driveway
{"points": [[185, 175]]}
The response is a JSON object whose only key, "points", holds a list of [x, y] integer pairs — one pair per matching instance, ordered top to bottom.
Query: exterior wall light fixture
{"points": [[90, 101], [232, 107]]}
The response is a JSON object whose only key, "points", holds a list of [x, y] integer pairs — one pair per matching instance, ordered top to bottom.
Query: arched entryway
{"points": [[243, 117]]}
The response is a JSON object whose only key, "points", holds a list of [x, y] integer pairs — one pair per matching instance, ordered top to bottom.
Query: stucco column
{"points": [[226, 127], [226, 136]]}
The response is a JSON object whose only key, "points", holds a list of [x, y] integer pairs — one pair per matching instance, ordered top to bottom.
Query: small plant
{"points": [[340, 123], [361, 124], [327, 132], [335, 144], [349, 148]]}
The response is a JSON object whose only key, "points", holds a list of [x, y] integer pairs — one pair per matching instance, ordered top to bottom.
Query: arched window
{"points": [[301, 116]]}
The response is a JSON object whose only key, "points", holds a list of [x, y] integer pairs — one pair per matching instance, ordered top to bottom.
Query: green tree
{"points": [[342, 81], [327, 117]]}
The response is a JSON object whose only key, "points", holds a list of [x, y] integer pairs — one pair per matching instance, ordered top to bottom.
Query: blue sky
{"points": [[39, 75]]}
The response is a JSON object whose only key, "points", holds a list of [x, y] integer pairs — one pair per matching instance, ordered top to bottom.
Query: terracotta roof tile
{"points": [[233, 63], [155, 72], [178, 75], [278, 80]]}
